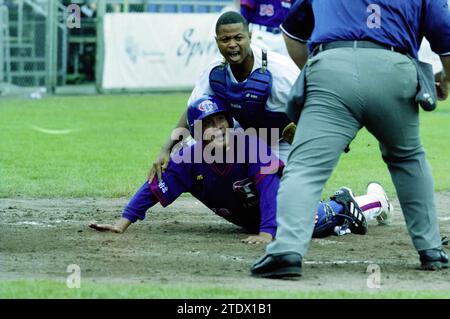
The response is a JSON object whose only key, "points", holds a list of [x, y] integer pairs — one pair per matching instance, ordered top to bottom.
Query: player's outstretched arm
{"points": [[162, 159], [119, 227], [261, 238]]}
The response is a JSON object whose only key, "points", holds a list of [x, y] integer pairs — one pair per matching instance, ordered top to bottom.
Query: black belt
{"points": [[354, 44]]}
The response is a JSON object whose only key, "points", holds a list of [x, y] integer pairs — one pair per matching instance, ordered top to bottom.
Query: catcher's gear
{"points": [[248, 99], [203, 107], [289, 132], [246, 191], [358, 223]]}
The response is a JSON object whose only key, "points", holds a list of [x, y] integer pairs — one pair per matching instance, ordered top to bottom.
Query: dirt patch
{"points": [[187, 244]]}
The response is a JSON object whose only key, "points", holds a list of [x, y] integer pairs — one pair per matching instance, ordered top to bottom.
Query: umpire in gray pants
{"points": [[360, 72]]}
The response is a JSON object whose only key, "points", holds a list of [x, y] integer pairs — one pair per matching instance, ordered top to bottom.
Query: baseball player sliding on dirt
{"points": [[240, 183]]}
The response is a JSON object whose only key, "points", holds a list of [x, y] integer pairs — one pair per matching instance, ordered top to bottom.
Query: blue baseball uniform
{"points": [[269, 13], [265, 17], [212, 184]]}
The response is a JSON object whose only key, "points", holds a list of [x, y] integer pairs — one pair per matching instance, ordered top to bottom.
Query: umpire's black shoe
{"points": [[433, 259], [278, 266]]}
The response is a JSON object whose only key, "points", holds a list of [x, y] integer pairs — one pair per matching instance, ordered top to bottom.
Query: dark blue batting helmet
{"points": [[203, 107]]}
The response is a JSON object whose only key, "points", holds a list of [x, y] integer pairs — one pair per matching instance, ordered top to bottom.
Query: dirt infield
{"points": [[188, 244]]}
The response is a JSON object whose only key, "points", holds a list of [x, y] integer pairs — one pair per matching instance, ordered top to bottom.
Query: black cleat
{"points": [[345, 197], [433, 259], [278, 266]]}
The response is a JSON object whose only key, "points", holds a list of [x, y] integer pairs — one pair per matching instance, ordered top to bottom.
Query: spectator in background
{"points": [[265, 17]]}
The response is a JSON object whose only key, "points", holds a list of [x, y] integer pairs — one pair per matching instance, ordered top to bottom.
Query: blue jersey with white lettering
{"points": [[269, 13], [398, 23], [212, 184]]}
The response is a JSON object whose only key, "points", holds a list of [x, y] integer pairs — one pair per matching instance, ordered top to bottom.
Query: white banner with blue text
{"points": [[157, 50]]}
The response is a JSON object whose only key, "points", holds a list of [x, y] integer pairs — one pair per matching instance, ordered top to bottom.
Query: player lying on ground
{"points": [[243, 191]]}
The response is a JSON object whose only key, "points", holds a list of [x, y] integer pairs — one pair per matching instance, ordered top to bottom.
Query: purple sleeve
{"points": [[299, 23], [437, 26], [175, 180], [267, 181], [267, 189], [139, 204]]}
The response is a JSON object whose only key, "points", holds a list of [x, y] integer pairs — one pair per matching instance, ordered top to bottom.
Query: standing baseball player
{"points": [[264, 18], [361, 73], [256, 85], [243, 192]]}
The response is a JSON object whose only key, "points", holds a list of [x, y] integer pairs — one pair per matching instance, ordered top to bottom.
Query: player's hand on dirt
{"points": [[441, 86], [159, 165], [105, 227], [119, 227], [261, 238]]}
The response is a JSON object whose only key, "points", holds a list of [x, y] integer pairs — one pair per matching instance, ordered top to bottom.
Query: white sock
{"points": [[370, 205]]}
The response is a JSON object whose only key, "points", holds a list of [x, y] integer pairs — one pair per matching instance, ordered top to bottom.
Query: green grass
{"points": [[116, 137], [108, 153], [364, 162], [54, 289]]}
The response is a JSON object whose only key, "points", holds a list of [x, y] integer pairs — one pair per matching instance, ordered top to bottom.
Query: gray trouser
{"points": [[349, 88], [282, 151]]}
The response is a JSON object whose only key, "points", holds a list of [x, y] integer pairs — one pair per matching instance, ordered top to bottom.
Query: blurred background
{"points": [[60, 46]]}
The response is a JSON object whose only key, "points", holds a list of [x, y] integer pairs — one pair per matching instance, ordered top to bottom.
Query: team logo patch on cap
{"points": [[207, 106]]}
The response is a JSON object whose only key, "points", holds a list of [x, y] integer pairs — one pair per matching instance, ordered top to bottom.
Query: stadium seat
{"points": [[152, 8], [169, 8], [185, 8], [216, 8], [202, 9]]}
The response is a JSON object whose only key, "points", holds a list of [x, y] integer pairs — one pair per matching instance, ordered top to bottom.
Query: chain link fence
{"points": [[24, 42], [38, 49], [5, 61]]}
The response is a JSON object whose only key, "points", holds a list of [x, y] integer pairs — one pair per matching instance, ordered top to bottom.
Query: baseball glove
{"points": [[289, 132], [246, 191]]}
